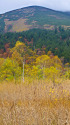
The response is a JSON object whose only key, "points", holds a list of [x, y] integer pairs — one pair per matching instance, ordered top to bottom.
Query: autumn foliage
{"points": [[36, 66], [43, 97]]}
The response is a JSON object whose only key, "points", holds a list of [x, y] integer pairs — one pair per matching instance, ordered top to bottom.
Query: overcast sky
{"points": [[8, 5]]}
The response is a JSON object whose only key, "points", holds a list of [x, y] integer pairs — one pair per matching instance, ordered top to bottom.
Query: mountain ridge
{"points": [[33, 7], [33, 17]]}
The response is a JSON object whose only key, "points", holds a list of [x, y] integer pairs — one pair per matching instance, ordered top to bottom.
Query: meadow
{"points": [[34, 89], [35, 102]]}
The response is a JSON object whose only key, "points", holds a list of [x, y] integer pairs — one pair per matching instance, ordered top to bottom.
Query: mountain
{"points": [[33, 17]]}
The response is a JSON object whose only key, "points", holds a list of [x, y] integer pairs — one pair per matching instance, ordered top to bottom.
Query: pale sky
{"points": [[8, 5]]}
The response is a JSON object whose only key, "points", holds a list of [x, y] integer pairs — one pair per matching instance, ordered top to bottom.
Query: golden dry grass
{"points": [[18, 26], [47, 26], [66, 27], [35, 102]]}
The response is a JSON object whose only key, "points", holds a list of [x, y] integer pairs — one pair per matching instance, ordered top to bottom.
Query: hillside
{"points": [[33, 17]]}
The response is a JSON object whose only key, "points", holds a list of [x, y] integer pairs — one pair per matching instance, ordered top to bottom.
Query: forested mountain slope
{"points": [[33, 17]]}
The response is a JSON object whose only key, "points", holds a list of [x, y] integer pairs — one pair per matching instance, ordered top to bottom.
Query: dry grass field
{"points": [[19, 25], [35, 102]]}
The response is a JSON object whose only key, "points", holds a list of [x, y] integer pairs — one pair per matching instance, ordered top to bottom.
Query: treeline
{"points": [[57, 41]]}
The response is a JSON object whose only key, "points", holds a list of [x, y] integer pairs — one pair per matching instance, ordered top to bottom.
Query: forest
{"points": [[56, 41], [45, 53], [35, 77]]}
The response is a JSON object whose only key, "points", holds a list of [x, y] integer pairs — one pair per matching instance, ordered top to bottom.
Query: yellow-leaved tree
{"points": [[21, 52], [43, 61], [49, 68], [9, 70], [52, 73]]}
